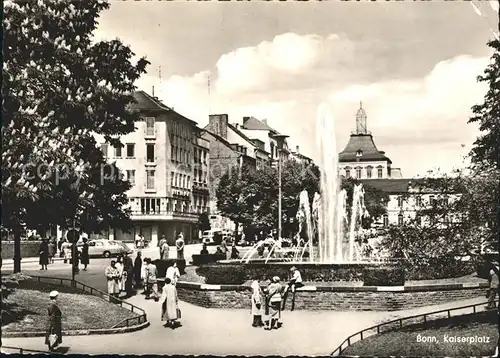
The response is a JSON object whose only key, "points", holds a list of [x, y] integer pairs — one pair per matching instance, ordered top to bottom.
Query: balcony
{"points": [[200, 187], [140, 215]]}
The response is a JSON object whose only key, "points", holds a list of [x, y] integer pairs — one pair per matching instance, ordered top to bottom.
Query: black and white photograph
{"points": [[250, 178]]}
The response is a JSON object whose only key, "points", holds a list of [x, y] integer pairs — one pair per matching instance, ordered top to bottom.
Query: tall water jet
{"points": [[330, 220]]}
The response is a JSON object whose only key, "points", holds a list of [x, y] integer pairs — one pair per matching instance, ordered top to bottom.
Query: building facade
{"points": [[260, 130], [361, 159], [167, 164]]}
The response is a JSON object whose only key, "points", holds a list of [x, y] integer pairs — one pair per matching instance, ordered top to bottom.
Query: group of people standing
{"points": [[165, 248], [48, 250], [223, 250], [119, 275], [268, 303]]}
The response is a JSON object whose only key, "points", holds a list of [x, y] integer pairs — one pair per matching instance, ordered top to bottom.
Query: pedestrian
{"points": [[138, 241], [179, 244], [161, 245], [59, 247], [223, 247], [66, 249], [52, 250], [204, 250], [43, 251], [84, 254], [235, 254], [119, 267], [138, 270], [128, 271], [151, 273], [173, 273], [143, 275], [113, 277], [294, 283], [494, 283], [256, 304], [273, 304], [170, 311], [53, 333]]}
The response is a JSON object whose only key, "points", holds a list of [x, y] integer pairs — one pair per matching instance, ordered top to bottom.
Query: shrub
{"points": [[439, 268], [222, 275], [383, 276]]}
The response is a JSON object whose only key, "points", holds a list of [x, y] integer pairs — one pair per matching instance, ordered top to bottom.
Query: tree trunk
{"points": [[17, 250]]}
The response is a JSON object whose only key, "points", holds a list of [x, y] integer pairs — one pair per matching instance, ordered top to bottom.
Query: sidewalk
{"points": [[223, 331]]}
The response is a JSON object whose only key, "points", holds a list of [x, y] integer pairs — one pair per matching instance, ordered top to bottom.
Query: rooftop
{"points": [[148, 103], [252, 123], [361, 144], [390, 186]]}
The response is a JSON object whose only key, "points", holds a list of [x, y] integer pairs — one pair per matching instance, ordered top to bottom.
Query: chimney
{"points": [[245, 120], [264, 121], [218, 124], [236, 125], [297, 149]]}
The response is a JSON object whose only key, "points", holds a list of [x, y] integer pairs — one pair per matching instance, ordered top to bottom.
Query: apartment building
{"points": [[167, 164]]}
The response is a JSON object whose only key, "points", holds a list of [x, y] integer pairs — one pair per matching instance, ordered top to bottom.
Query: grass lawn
{"points": [[25, 310], [435, 338]]}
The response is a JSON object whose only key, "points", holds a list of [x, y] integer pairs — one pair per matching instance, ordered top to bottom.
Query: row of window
{"points": [[118, 151], [180, 155], [200, 157], [359, 171], [200, 176], [179, 180], [432, 200], [153, 206]]}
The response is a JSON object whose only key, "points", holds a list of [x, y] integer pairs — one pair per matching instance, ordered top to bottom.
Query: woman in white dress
{"points": [[123, 278]]}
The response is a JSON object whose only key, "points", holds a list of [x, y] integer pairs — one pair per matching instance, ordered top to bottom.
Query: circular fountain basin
{"points": [[264, 269]]}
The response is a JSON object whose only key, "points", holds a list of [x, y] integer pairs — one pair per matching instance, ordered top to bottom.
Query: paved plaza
{"points": [[216, 331]]}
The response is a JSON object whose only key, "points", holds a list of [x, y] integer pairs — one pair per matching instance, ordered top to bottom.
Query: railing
{"points": [[141, 318], [398, 324], [17, 350]]}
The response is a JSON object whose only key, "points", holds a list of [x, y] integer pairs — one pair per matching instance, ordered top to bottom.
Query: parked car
{"points": [[208, 236], [106, 248]]}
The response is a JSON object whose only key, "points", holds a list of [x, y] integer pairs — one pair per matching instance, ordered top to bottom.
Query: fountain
{"points": [[339, 253]]}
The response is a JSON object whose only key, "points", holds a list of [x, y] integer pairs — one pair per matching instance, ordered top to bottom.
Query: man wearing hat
{"points": [[493, 281], [53, 334]]}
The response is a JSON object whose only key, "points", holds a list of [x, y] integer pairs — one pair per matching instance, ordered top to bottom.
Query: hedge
{"points": [[383, 276]]}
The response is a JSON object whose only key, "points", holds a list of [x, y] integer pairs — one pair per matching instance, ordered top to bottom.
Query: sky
{"points": [[414, 66]]}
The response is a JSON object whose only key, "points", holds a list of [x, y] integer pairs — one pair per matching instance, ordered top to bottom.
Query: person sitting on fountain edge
{"points": [[204, 250], [294, 283]]}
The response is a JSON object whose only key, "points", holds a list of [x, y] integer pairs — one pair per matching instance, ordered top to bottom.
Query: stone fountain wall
{"points": [[317, 298]]}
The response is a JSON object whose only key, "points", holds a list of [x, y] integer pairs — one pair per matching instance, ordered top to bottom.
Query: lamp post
{"points": [[280, 140]]}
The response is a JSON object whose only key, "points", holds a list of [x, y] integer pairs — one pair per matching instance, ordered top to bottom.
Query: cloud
{"points": [[271, 63], [433, 108]]}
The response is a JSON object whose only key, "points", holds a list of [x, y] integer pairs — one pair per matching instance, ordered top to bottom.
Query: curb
{"points": [[81, 332]]}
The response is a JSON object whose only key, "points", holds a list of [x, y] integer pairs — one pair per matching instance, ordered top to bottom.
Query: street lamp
{"points": [[280, 140]]}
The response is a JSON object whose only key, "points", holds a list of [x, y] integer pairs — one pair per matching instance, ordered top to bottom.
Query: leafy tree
{"points": [[59, 90], [486, 150], [485, 154], [229, 196], [375, 200], [449, 220], [204, 222]]}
